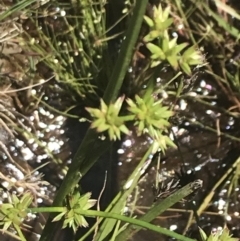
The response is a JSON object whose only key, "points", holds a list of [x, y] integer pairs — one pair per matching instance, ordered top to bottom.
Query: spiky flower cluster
{"points": [[168, 49], [148, 115], [107, 119], [14, 212], [73, 217], [220, 235]]}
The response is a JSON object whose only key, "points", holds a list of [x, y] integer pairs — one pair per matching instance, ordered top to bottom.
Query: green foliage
{"points": [[158, 24], [167, 49], [74, 52], [191, 57], [79, 63], [148, 115], [152, 118], [107, 119], [78, 207], [14, 212], [72, 214], [220, 235]]}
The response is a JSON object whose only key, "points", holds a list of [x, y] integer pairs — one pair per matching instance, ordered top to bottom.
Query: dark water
{"points": [[201, 150]]}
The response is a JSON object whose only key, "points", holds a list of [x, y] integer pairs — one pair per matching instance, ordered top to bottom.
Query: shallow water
{"points": [[199, 149], [210, 156]]}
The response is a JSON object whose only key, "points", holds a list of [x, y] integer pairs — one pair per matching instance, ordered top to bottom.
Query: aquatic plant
{"points": [[77, 53]]}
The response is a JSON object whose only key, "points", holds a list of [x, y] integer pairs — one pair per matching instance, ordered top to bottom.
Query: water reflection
{"points": [[200, 151]]}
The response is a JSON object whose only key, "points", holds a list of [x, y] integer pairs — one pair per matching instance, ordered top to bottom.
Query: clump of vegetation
{"points": [[69, 56]]}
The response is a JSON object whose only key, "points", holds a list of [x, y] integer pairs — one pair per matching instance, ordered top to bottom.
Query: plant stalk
{"points": [[91, 147]]}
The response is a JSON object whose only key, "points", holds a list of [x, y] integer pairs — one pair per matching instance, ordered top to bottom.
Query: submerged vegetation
{"points": [[162, 77]]}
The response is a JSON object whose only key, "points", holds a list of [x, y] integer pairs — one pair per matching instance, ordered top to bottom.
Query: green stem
{"points": [[16, 8], [126, 52], [65, 113], [128, 118], [92, 148], [89, 151], [120, 200], [160, 207], [47, 210], [135, 222], [142, 222], [19, 231]]}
